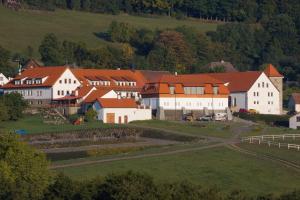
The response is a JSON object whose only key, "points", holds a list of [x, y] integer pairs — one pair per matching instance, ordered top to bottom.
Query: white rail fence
{"points": [[270, 140]]}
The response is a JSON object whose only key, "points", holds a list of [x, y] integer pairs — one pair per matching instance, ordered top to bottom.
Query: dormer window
{"points": [[17, 82]]}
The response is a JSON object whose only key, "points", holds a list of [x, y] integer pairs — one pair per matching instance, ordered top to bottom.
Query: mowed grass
{"points": [[27, 27], [34, 124], [213, 129], [263, 129], [284, 153], [219, 167]]}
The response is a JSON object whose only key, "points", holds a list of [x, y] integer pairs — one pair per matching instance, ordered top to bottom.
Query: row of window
{"points": [[67, 81], [104, 83], [125, 83], [263, 85], [63, 92], [39, 93], [270, 94], [38, 102], [269, 102], [198, 104]]}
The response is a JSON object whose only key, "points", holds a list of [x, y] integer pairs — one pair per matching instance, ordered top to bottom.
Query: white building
{"points": [[3, 79], [40, 86], [261, 91], [178, 95], [294, 102], [117, 110], [295, 121]]}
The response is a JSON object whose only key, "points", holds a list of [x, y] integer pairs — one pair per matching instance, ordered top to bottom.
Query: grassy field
{"points": [[27, 27], [34, 124], [214, 129], [291, 155], [219, 166]]}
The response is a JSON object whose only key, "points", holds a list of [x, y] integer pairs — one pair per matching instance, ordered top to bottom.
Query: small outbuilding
{"points": [[120, 110], [295, 121]]}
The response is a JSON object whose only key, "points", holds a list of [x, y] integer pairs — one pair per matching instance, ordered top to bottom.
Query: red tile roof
{"points": [[271, 71], [53, 73], [111, 75], [238, 81], [84, 90], [96, 94], [296, 97], [117, 103]]}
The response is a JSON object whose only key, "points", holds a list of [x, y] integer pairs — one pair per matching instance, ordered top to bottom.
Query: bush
{"points": [[90, 115], [273, 120]]}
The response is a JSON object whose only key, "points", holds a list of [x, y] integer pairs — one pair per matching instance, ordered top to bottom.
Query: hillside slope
{"points": [[27, 27]]}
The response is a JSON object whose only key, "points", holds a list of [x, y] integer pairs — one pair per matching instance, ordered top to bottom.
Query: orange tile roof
{"points": [[271, 71], [53, 73], [111, 75], [180, 81], [238, 81], [84, 90], [96, 94], [117, 103]]}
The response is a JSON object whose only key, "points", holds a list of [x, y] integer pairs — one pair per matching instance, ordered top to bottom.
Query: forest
{"points": [[254, 33]]}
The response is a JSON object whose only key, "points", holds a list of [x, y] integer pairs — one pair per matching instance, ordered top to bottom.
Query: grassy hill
{"points": [[27, 27]]}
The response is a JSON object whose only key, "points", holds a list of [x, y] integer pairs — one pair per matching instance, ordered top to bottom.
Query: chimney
{"points": [[118, 68], [176, 73], [76, 93], [119, 96]]}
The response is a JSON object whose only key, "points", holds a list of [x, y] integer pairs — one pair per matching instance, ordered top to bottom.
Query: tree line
{"points": [[229, 10], [183, 49], [11, 106], [25, 174]]}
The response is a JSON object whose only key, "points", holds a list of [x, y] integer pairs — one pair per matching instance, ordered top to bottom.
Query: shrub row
{"points": [[273, 120]]}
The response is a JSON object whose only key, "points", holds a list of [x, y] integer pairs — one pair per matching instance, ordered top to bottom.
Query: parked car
{"points": [[243, 110], [252, 111], [220, 116], [189, 117], [205, 118]]}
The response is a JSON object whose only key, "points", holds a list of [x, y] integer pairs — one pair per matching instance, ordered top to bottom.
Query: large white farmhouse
{"points": [[39, 86], [261, 91], [174, 96]]}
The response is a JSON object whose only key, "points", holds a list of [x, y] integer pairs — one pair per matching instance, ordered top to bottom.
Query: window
{"points": [[1, 78], [60, 81], [66, 81], [70, 81], [75, 82], [258, 84], [263, 84], [267, 85], [172, 90], [58, 92], [68, 92], [62, 93], [254, 93], [257, 94], [254, 102], [257, 102], [298, 119]]}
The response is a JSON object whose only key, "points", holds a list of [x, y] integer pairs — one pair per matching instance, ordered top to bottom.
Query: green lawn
{"points": [[27, 27], [34, 124], [214, 129], [268, 130], [291, 155], [219, 166]]}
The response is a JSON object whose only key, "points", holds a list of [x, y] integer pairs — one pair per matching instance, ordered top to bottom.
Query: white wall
{"points": [[3, 79], [65, 86], [33, 93], [110, 94], [268, 99], [238, 100], [168, 103], [133, 114], [294, 124]]}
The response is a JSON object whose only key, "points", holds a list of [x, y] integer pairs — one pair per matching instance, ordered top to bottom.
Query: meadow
{"points": [[28, 27], [221, 167]]}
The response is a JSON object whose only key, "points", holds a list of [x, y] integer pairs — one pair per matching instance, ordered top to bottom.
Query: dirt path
{"points": [[136, 157], [285, 163]]}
